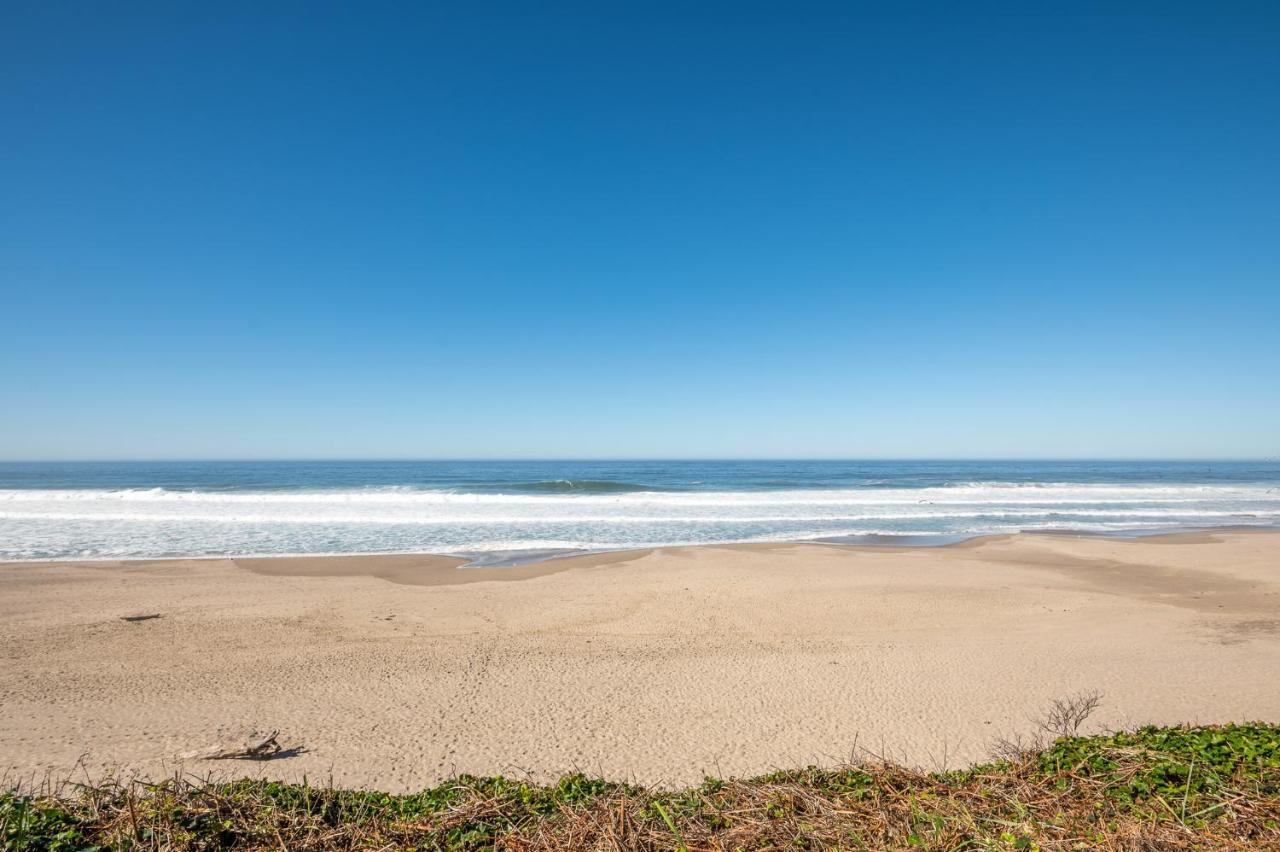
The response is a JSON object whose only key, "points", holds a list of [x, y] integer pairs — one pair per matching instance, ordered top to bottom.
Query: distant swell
{"points": [[579, 486]]}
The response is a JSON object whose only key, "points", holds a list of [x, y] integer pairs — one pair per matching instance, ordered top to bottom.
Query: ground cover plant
{"points": [[1214, 787]]}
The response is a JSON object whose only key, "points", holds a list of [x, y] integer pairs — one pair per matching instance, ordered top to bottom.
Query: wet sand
{"points": [[394, 672]]}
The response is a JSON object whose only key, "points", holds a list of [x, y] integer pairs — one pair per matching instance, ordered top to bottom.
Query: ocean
{"points": [[497, 512]]}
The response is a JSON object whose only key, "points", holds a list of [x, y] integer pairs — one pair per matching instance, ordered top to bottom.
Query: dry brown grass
{"points": [[1157, 788]]}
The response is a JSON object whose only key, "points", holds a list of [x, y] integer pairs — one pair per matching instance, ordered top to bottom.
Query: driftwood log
{"points": [[136, 618], [263, 748]]}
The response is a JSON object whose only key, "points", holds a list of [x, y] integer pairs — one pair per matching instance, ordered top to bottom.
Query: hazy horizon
{"points": [[554, 459]]}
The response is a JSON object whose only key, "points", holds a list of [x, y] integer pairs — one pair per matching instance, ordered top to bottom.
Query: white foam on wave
{"points": [[980, 492], [1051, 492], [429, 520], [86, 523]]}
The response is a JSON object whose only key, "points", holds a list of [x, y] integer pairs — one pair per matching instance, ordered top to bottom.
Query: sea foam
{"points": [[160, 522]]}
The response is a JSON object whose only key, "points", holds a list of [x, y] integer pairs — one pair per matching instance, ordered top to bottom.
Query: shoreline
{"points": [[503, 559], [430, 569], [660, 665]]}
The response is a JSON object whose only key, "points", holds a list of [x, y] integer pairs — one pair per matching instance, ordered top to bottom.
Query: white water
{"points": [[79, 524]]}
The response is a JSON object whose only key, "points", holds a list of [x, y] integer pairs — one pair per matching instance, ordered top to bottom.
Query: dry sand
{"points": [[658, 666]]}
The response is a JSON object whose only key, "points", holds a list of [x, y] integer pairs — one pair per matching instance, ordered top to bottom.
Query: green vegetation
{"points": [[1205, 787]]}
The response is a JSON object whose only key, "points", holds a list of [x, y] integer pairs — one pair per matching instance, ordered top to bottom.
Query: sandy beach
{"points": [[659, 666]]}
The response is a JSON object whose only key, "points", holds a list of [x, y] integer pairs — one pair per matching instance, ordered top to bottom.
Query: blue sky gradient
{"points": [[649, 230]]}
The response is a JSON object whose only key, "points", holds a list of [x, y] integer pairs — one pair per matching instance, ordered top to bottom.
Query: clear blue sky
{"points": [[688, 229]]}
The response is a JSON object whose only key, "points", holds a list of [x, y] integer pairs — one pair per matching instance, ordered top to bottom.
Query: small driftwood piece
{"points": [[137, 618], [259, 749]]}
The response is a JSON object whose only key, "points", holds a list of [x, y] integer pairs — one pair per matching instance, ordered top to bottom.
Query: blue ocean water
{"points": [[155, 509]]}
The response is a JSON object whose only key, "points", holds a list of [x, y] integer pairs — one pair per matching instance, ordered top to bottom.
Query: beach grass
{"points": [[1215, 787]]}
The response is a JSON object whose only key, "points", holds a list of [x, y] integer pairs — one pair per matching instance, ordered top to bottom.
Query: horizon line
{"points": [[572, 459]]}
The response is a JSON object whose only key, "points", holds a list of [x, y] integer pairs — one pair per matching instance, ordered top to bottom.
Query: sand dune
{"points": [[662, 666]]}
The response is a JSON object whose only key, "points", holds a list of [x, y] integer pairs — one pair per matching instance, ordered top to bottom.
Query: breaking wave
{"points": [[585, 514]]}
